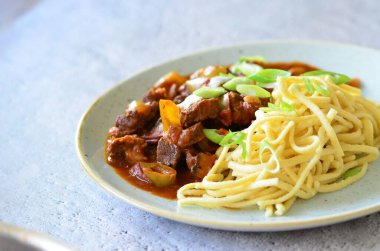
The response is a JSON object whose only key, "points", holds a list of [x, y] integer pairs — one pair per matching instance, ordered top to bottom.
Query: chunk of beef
{"points": [[168, 87], [183, 93], [199, 111], [242, 112], [137, 116], [153, 135], [191, 135], [185, 137], [206, 145], [126, 151], [168, 153], [199, 163], [137, 172]]}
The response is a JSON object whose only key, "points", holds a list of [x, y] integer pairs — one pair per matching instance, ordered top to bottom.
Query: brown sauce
{"points": [[170, 192]]}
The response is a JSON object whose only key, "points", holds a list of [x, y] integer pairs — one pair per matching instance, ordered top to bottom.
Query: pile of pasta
{"points": [[306, 150]]}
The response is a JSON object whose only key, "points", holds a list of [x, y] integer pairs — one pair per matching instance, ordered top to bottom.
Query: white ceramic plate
{"points": [[359, 199]]}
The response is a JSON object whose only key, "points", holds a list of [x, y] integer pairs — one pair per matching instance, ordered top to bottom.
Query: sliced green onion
{"points": [[252, 59], [246, 68], [227, 75], [268, 75], [336, 77], [231, 84], [309, 85], [253, 90], [321, 90], [210, 92], [284, 107], [213, 135], [236, 137], [226, 139], [244, 150], [352, 172], [161, 175]]}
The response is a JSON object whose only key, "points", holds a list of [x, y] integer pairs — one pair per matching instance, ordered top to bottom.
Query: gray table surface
{"points": [[56, 59]]}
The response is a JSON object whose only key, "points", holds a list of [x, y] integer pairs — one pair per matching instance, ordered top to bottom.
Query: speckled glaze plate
{"points": [[357, 200]]}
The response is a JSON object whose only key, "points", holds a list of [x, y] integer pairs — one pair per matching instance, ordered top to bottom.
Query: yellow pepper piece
{"points": [[169, 113]]}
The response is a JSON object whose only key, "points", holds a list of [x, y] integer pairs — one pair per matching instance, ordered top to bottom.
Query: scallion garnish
{"points": [[252, 59], [246, 68], [227, 75], [268, 75], [337, 78], [231, 84], [309, 85], [253, 90], [321, 90], [210, 92], [284, 107], [213, 135], [235, 138], [351, 172]]}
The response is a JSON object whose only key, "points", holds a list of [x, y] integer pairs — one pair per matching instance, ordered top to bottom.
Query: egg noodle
{"points": [[294, 154]]}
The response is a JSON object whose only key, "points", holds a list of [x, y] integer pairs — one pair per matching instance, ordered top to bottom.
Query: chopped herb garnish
{"points": [[252, 59], [246, 68], [227, 75], [268, 75], [337, 78], [231, 84], [309, 85], [253, 90], [321, 90], [210, 92], [284, 107], [213, 135], [235, 138], [351, 172]]}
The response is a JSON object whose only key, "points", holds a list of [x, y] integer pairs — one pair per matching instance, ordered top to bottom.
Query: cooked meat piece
{"points": [[169, 79], [168, 87], [183, 92], [155, 94], [199, 111], [242, 112], [137, 116], [225, 117], [173, 134], [153, 135], [191, 135], [185, 137], [206, 145], [126, 151], [168, 153], [199, 163], [137, 172]]}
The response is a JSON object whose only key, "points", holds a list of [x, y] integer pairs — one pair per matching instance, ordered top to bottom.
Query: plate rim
{"points": [[249, 226]]}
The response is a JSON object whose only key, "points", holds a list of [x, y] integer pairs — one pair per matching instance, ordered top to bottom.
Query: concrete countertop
{"points": [[57, 58]]}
